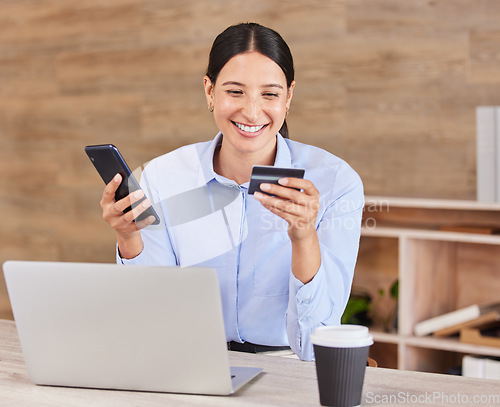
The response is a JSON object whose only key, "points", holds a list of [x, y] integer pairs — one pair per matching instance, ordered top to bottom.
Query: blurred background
{"points": [[390, 86]]}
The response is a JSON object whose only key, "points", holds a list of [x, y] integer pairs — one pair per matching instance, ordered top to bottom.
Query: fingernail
{"points": [[116, 177], [283, 181], [265, 187], [138, 193], [258, 195], [146, 203]]}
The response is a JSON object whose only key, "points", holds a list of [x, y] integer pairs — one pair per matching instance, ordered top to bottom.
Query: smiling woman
{"points": [[252, 37], [250, 101], [279, 279]]}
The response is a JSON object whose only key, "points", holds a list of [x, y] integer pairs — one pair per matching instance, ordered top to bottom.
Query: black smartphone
{"points": [[108, 162], [270, 175]]}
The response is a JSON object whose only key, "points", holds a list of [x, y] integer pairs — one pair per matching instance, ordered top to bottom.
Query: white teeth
{"points": [[249, 129]]}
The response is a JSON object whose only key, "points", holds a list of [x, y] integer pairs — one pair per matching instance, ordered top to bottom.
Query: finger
{"points": [[299, 183], [109, 191], [285, 193], [130, 199], [280, 204], [139, 209], [288, 217], [125, 222], [294, 222], [141, 224]]}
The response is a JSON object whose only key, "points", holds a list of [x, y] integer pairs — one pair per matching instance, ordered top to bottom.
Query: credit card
{"points": [[270, 175]]}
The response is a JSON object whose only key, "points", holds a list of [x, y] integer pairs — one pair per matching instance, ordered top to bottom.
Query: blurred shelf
{"points": [[424, 203], [430, 235], [438, 271]]}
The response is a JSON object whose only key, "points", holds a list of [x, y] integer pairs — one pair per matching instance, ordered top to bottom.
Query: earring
{"points": [[210, 108]]}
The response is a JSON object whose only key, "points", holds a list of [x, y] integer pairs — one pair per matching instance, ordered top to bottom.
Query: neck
{"points": [[238, 166]]}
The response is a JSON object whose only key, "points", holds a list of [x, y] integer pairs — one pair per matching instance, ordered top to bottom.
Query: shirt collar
{"points": [[283, 157], [207, 158]]}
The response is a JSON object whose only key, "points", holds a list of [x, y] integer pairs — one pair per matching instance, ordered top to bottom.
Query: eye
{"points": [[234, 92], [271, 95]]}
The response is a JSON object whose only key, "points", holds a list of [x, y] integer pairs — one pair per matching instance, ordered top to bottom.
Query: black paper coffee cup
{"points": [[341, 353]]}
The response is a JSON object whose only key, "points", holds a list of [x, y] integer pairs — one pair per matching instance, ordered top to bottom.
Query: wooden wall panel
{"points": [[29, 27], [484, 57], [389, 85], [477, 266]]}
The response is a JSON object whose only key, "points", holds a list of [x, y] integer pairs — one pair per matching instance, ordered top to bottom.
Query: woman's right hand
{"points": [[128, 231]]}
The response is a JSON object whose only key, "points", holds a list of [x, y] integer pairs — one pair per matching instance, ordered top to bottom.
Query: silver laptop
{"points": [[122, 327]]}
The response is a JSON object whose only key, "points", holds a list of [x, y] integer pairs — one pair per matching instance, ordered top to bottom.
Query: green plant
{"points": [[357, 309], [360, 310], [388, 321]]}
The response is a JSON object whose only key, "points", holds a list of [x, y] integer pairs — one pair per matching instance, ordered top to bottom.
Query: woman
{"points": [[285, 259]]}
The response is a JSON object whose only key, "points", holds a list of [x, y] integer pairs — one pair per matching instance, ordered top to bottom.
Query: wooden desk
{"points": [[284, 382]]}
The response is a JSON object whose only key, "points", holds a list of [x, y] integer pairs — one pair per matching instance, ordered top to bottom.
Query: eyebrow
{"points": [[269, 85]]}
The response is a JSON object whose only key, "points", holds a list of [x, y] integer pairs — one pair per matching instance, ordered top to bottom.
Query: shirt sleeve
{"points": [[157, 246], [157, 250], [322, 301]]}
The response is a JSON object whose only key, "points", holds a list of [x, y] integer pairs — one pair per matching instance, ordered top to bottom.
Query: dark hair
{"points": [[246, 37]]}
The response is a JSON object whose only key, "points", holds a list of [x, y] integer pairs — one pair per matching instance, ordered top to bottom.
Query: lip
{"points": [[247, 134]]}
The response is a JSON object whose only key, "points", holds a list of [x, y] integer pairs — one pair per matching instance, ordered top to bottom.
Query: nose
{"points": [[251, 110]]}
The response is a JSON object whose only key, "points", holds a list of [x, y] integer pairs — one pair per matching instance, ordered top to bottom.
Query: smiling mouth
{"points": [[249, 129]]}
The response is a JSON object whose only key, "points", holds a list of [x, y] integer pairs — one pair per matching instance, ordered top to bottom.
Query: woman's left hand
{"points": [[298, 208]]}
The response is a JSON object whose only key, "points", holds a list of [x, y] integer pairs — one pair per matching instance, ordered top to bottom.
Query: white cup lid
{"points": [[342, 336]]}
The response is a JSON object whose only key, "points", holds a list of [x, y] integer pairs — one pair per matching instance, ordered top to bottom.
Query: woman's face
{"points": [[250, 100]]}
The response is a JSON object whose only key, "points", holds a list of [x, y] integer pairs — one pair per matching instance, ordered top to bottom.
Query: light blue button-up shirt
{"points": [[209, 220]]}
